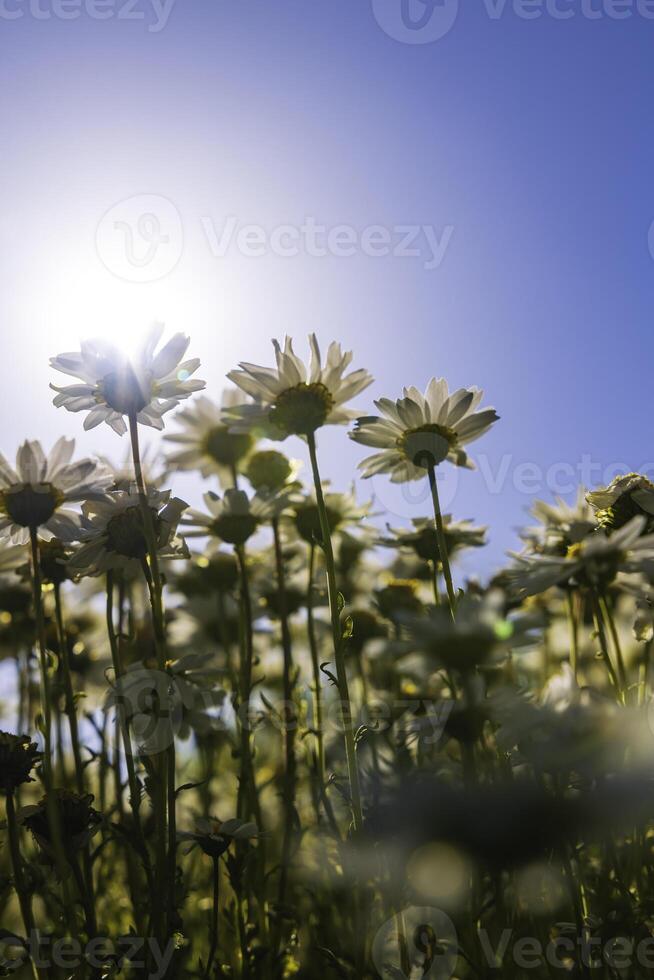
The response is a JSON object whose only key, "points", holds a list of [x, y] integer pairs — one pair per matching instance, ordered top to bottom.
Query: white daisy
{"points": [[113, 385], [294, 400], [421, 430], [205, 441], [34, 494], [625, 497], [235, 517], [560, 525], [112, 534], [423, 539], [593, 562]]}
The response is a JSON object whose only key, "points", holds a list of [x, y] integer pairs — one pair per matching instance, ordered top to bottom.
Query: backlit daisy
{"points": [[113, 385], [294, 399], [417, 431], [205, 441], [34, 494], [625, 497], [235, 517], [113, 536], [423, 539]]}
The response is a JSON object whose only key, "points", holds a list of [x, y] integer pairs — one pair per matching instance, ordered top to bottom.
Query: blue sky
{"points": [[513, 155]]}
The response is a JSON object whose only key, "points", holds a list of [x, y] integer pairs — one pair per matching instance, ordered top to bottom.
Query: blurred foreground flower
{"points": [[113, 385], [205, 441], [236, 517]]}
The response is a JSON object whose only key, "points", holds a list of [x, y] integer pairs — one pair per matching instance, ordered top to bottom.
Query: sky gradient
{"points": [[289, 153]]}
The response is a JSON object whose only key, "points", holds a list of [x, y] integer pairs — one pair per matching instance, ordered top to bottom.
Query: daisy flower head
{"points": [[112, 385], [293, 399], [420, 431], [205, 440], [34, 495], [625, 497], [343, 511], [235, 517], [560, 525], [113, 536], [423, 538], [591, 563]]}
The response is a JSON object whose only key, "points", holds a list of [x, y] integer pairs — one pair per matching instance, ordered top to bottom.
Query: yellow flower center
{"points": [[302, 409]]}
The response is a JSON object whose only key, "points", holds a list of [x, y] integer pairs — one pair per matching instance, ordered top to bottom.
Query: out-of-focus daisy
{"points": [[113, 385], [294, 399], [417, 431], [205, 440], [268, 470], [34, 494], [625, 497], [343, 511], [235, 517], [560, 525], [113, 535], [423, 539], [594, 562]]}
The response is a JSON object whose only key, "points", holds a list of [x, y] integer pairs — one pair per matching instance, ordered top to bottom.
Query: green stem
{"points": [[442, 544], [610, 622], [574, 635], [604, 647], [315, 665], [341, 672], [69, 694], [46, 705], [289, 721], [165, 801], [19, 878], [213, 929]]}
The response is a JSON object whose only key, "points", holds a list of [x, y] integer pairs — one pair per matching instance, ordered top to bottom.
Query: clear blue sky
{"points": [[523, 145]]}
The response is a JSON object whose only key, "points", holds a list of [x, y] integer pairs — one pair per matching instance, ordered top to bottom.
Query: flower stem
{"points": [[442, 544], [574, 635], [43, 658], [315, 664], [341, 672], [69, 695], [289, 721], [165, 794], [19, 879], [213, 930]]}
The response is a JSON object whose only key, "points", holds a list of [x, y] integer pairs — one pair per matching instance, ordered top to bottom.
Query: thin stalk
{"points": [[440, 534], [610, 622], [574, 634], [604, 647], [315, 665], [341, 672], [69, 694], [46, 705], [289, 721], [123, 724], [165, 795], [20, 885], [213, 926]]}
